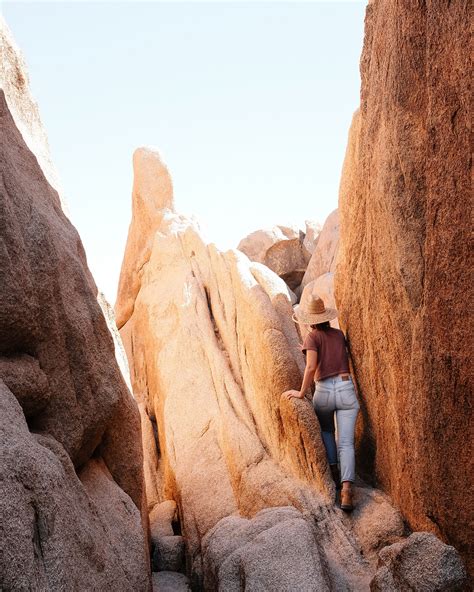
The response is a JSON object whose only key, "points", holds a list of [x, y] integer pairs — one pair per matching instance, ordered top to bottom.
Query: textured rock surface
{"points": [[311, 237], [256, 244], [324, 257], [288, 259], [403, 282], [211, 347], [57, 370], [168, 554], [422, 563], [170, 581]]}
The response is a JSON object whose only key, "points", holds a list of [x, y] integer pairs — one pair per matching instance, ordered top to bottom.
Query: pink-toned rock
{"points": [[152, 193], [311, 237], [256, 244], [324, 257], [288, 260], [404, 279], [57, 369], [61, 530], [421, 562]]}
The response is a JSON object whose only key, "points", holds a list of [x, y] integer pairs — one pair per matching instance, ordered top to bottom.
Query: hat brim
{"points": [[312, 318]]}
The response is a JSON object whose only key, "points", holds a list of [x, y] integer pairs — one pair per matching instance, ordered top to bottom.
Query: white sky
{"points": [[249, 103]]}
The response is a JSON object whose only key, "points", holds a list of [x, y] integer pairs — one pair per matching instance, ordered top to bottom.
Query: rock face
{"points": [[257, 243], [283, 249], [324, 257], [403, 282], [211, 347], [71, 491], [421, 562]]}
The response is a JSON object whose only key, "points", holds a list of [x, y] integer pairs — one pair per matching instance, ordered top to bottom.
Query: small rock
{"points": [[161, 518], [168, 554], [420, 563], [170, 581]]}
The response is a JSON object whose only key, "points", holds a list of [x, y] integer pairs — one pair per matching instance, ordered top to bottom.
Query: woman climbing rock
{"points": [[327, 363]]}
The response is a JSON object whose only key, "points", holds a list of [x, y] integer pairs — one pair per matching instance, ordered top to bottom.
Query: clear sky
{"points": [[248, 102]]}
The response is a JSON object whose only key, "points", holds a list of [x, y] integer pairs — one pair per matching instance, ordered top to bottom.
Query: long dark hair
{"points": [[321, 326]]}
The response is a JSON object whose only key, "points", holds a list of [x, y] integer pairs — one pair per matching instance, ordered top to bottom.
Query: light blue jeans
{"points": [[334, 395]]}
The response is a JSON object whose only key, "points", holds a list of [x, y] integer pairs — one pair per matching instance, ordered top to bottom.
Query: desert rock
{"points": [[324, 257], [403, 283], [71, 473]]}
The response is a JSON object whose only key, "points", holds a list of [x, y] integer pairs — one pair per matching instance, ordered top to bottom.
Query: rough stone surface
{"points": [[311, 237], [257, 243], [324, 257], [288, 260], [404, 282], [57, 370], [162, 517], [61, 531], [168, 553], [263, 553], [421, 563], [170, 581]]}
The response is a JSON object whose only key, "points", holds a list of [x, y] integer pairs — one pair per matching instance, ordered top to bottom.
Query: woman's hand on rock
{"points": [[292, 394]]}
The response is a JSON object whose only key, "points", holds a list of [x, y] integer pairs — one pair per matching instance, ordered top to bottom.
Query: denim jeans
{"points": [[334, 395]]}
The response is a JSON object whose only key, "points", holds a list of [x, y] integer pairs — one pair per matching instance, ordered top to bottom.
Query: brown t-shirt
{"points": [[330, 345]]}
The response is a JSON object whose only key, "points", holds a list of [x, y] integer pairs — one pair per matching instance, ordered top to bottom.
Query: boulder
{"points": [[311, 237], [256, 244], [324, 257], [288, 260], [404, 282], [71, 470], [162, 517], [62, 530], [168, 553], [263, 553], [421, 563], [170, 581]]}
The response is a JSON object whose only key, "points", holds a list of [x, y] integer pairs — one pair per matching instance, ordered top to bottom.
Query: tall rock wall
{"points": [[403, 284], [71, 477]]}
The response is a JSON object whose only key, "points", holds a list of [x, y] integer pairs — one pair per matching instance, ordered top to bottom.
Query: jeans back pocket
{"points": [[321, 397]]}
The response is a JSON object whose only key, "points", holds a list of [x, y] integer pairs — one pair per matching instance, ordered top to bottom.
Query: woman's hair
{"points": [[321, 326]]}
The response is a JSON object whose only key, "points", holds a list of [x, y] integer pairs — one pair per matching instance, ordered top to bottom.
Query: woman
{"points": [[327, 363]]}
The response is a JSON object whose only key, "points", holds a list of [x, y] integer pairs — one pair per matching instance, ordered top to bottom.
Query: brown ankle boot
{"points": [[335, 475], [346, 500]]}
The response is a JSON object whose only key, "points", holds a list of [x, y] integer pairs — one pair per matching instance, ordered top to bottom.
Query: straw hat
{"points": [[313, 311]]}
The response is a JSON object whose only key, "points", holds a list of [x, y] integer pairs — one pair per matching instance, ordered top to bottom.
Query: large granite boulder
{"points": [[324, 257], [404, 282]]}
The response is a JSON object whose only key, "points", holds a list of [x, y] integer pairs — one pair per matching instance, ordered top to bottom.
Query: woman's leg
{"points": [[325, 416], [346, 419]]}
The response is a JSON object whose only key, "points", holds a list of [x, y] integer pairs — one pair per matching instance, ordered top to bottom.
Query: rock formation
{"points": [[256, 244], [284, 250], [324, 257], [404, 282], [211, 347], [71, 493]]}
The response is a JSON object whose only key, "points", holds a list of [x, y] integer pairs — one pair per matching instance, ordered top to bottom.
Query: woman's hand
{"points": [[292, 394]]}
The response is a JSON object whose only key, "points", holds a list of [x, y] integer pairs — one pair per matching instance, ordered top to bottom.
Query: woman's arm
{"points": [[309, 372]]}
